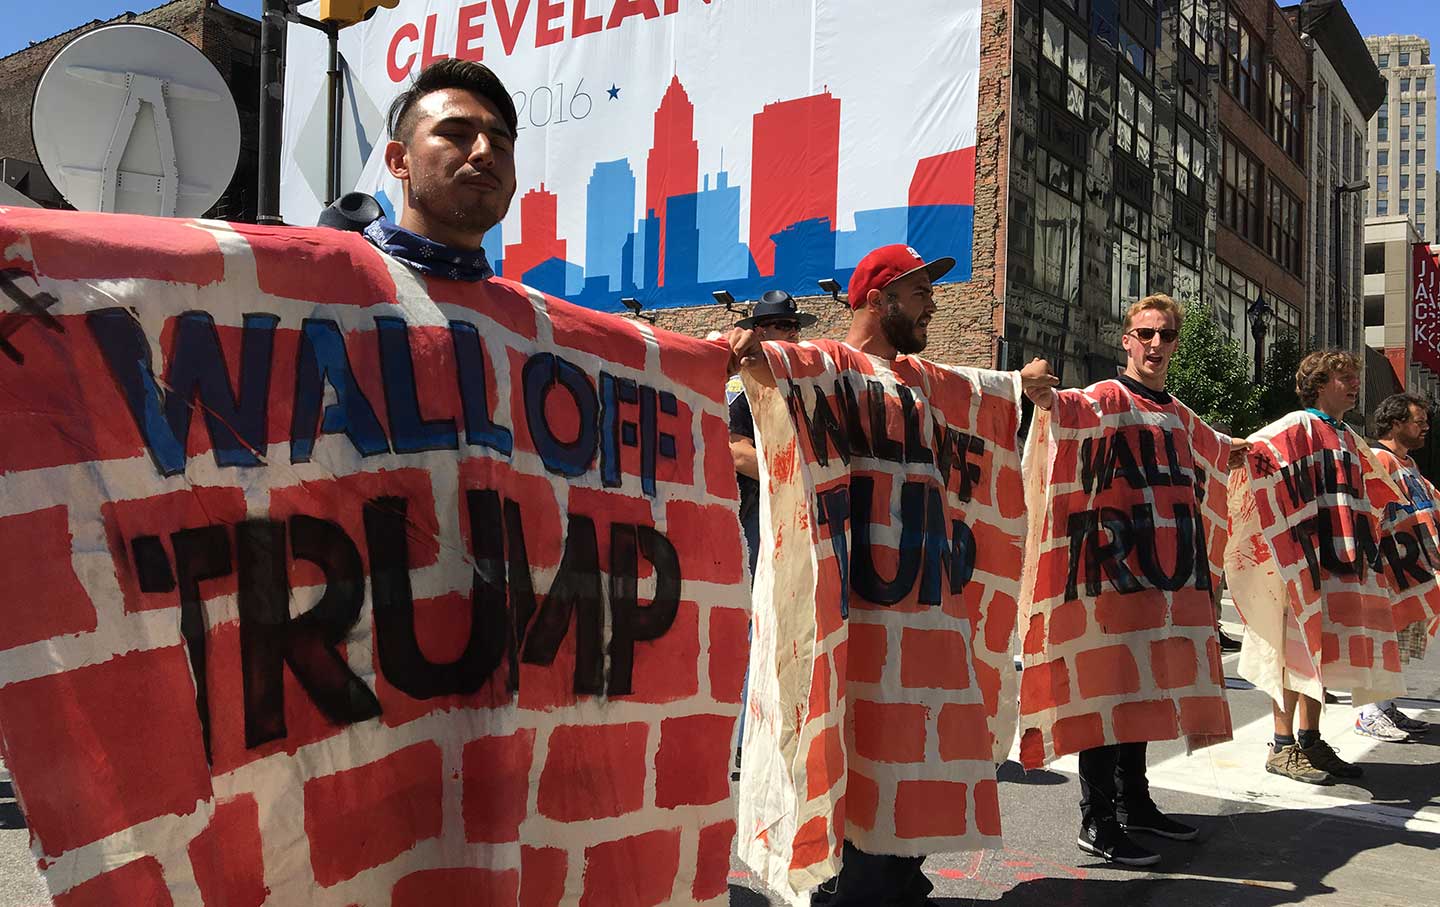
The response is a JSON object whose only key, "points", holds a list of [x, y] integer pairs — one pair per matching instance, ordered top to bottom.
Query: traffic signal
{"points": [[349, 12]]}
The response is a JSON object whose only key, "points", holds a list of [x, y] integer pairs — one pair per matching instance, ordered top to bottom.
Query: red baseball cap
{"points": [[887, 264]]}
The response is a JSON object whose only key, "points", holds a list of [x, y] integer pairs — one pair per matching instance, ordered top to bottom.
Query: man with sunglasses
{"points": [[775, 317], [1156, 624]]}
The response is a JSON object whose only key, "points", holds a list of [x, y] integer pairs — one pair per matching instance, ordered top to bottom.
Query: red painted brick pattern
{"points": [[1115, 664], [362, 817]]}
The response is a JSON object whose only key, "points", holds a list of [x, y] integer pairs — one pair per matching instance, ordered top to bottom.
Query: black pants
{"points": [[1112, 779], [875, 880]]}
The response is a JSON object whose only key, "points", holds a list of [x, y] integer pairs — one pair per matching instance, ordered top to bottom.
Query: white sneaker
{"points": [[1379, 726]]}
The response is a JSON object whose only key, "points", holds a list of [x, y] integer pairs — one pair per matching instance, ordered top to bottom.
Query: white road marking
{"points": [[1235, 771]]}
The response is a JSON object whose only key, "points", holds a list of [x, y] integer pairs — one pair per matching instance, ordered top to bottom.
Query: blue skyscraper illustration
{"points": [[609, 214]]}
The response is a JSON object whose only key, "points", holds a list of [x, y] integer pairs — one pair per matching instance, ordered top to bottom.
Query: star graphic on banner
{"points": [[612, 91]]}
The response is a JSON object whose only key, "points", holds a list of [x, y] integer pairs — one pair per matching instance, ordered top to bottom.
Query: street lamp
{"points": [[831, 286], [1259, 314], [1337, 336]]}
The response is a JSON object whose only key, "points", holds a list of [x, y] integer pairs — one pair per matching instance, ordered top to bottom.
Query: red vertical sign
{"points": [[1426, 346]]}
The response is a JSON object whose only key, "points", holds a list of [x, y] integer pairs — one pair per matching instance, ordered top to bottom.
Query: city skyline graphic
{"points": [[683, 239]]}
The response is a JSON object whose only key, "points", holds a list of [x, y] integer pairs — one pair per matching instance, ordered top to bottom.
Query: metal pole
{"points": [[272, 97], [332, 117], [1338, 271]]}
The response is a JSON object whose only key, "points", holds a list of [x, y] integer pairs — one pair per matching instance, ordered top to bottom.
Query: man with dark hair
{"points": [[452, 145], [775, 317], [1401, 423]]}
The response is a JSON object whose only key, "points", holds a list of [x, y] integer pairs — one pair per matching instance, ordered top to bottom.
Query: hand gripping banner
{"points": [[1126, 504], [1408, 538], [1303, 563], [332, 584], [881, 681]]}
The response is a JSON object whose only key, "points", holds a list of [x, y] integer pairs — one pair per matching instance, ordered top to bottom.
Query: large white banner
{"points": [[669, 148]]}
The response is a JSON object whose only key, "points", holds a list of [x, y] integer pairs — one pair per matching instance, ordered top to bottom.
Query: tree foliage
{"points": [[1210, 374], [1277, 380]]}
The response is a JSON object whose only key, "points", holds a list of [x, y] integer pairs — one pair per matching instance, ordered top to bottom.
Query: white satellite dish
{"points": [[130, 118]]}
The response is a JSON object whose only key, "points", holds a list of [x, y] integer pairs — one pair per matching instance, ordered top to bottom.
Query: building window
{"points": [[1195, 27], [1070, 53], [1137, 53], [1404, 58], [1384, 61], [1241, 70], [1405, 84], [1420, 85], [1192, 106], [1419, 108], [1404, 110], [1136, 118], [1284, 119], [1404, 132], [1419, 132], [1382, 134], [1404, 157], [1420, 157], [1382, 158], [1189, 161], [1357, 170], [1404, 181], [1419, 181], [1382, 183], [1241, 191], [1404, 205], [1419, 206], [1382, 207], [1285, 227], [1057, 228], [1421, 228], [1130, 268], [1187, 274], [1234, 293]]}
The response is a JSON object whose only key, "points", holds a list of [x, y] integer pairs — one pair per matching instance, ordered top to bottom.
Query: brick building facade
{"points": [[230, 40], [1260, 244], [970, 315]]}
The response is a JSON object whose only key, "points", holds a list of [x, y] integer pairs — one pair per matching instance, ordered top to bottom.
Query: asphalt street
{"points": [[1264, 841]]}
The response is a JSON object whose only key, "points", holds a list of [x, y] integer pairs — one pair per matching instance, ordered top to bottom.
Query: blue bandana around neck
{"points": [[426, 255], [1324, 417]]}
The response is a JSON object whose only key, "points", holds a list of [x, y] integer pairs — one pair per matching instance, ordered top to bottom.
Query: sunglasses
{"points": [[785, 325], [1145, 335]]}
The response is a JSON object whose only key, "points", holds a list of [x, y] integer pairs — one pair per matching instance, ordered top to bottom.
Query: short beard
{"points": [[430, 196], [900, 331]]}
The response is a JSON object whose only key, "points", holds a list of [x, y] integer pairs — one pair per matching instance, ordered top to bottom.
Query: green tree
{"points": [[1210, 374], [1277, 379]]}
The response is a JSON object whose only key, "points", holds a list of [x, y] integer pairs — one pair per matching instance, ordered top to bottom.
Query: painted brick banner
{"points": [[1126, 504], [1409, 534], [1304, 562], [327, 583], [881, 680]]}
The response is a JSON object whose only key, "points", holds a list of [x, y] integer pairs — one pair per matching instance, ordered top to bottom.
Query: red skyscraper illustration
{"points": [[673, 165], [796, 169], [945, 179], [538, 240]]}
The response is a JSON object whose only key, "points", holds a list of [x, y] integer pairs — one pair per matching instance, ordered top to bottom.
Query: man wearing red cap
{"points": [[884, 597]]}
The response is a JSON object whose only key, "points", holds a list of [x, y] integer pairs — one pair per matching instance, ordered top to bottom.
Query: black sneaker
{"points": [[1227, 643], [1324, 758], [1157, 823], [1107, 841]]}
